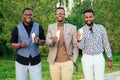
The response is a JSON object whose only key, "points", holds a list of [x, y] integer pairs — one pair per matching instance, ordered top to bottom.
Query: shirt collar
{"points": [[31, 24], [89, 27]]}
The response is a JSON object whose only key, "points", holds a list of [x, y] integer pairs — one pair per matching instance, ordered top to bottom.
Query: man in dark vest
{"points": [[26, 39]]}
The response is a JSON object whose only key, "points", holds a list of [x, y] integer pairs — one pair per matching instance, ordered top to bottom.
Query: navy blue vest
{"points": [[32, 48]]}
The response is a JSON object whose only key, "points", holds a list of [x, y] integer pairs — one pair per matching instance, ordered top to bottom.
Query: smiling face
{"points": [[60, 15], [27, 16], [89, 18]]}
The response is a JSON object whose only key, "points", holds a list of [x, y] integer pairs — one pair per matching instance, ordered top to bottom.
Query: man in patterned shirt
{"points": [[92, 40]]}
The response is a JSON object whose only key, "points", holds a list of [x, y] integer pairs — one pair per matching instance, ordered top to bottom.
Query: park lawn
{"points": [[7, 68]]}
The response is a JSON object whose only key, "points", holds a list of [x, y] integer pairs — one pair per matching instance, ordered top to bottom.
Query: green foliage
{"points": [[11, 13], [106, 13], [76, 16], [44, 50], [7, 68]]}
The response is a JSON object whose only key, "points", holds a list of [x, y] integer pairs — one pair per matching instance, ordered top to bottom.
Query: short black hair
{"points": [[59, 8], [26, 9], [89, 10]]}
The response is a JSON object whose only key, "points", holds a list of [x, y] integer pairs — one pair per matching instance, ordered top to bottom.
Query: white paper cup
{"points": [[80, 31], [58, 34], [33, 36]]}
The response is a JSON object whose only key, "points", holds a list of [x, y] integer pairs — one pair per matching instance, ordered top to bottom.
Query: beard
{"points": [[90, 23]]}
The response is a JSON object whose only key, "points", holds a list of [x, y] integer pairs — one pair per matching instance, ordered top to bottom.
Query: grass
{"points": [[7, 68]]}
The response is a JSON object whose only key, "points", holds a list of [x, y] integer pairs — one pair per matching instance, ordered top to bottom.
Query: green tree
{"points": [[11, 12], [106, 13]]}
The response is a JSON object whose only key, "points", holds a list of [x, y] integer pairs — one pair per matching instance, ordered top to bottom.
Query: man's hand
{"points": [[78, 37], [36, 39], [55, 39], [40, 42], [23, 44], [110, 64]]}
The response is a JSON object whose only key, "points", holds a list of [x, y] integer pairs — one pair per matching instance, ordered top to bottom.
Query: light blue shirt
{"points": [[94, 41]]}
